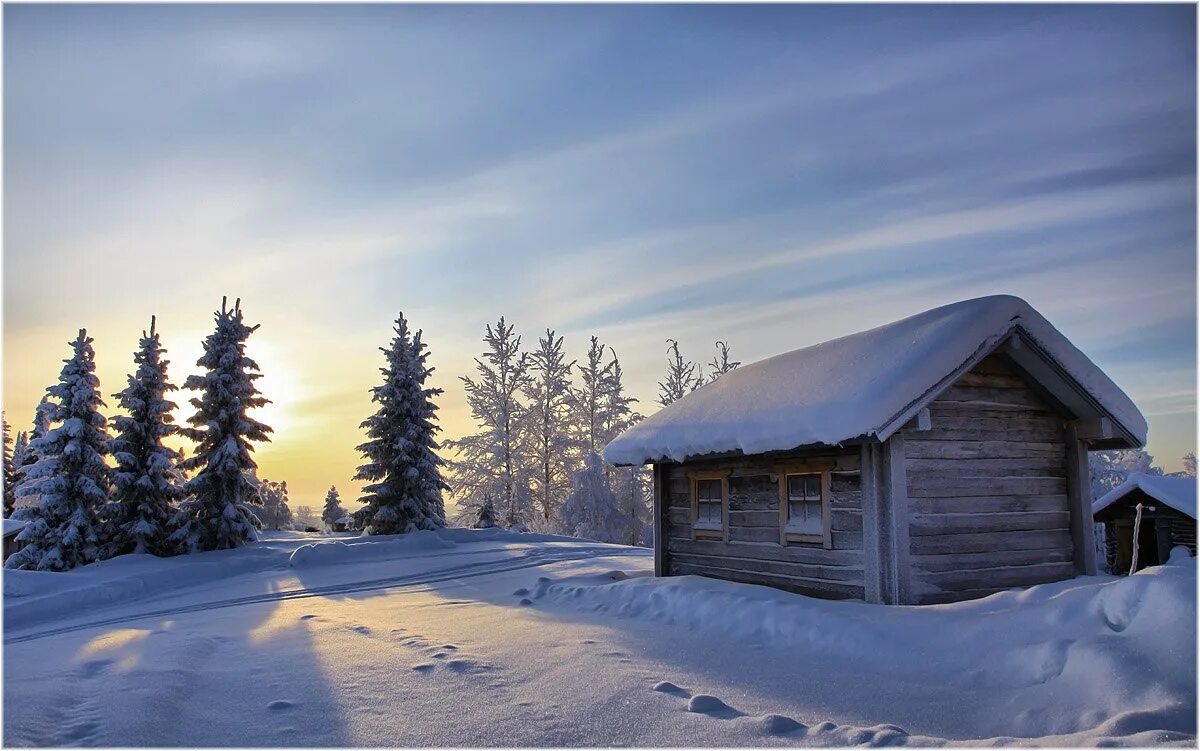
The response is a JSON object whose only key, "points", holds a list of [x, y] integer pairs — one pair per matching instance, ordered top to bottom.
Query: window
{"points": [[709, 490], [804, 494], [804, 505]]}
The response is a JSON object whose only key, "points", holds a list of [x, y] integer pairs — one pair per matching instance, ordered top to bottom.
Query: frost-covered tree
{"points": [[721, 364], [682, 376], [590, 402], [548, 423], [26, 451], [19, 455], [401, 460], [492, 461], [1189, 464], [1111, 468], [10, 470], [70, 481], [147, 482], [632, 488], [333, 507], [592, 511], [275, 512], [217, 513], [485, 515], [306, 516]]}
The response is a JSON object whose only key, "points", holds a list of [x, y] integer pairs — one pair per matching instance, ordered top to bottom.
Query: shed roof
{"points": [[867, 385], [1177, 492], [12, 526]]}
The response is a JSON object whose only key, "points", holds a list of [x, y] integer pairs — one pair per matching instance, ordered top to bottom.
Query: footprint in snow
{"points": [[521, 592], [525, 601], [307, 617], [362, 630], [424, 667], [667, 687], [279, 704], [711, 706], [777, 724]]}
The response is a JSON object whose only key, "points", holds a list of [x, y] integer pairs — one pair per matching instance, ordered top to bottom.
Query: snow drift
{"points": [[853, 386], [1101, 656]]}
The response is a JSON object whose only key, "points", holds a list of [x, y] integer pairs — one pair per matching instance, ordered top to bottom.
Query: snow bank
{"points": [[853, 386], [1177, 492], [1100, 656]]}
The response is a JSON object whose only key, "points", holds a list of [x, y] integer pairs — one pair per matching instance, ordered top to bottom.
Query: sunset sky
{"points": [[770, 176]]}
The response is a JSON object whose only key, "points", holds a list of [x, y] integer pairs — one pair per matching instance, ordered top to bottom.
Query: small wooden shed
{"points": [[938, 458], [1168, 520], [12, 528]]}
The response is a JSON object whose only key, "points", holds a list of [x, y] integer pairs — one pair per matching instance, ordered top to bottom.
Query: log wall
{"points": [[987, 488], [753, 553]]}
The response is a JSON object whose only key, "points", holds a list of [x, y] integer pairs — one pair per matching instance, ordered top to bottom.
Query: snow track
{"points": [[531, 559]]}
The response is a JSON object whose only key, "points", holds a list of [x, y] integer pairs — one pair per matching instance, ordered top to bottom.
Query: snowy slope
{"points": [[852, 386], [1177, 492], [486, 638]]}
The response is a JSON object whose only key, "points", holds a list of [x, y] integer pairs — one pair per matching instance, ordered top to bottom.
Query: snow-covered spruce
{"points": [[683, 376], [548, 424], [27, 453], [19, 454], [493, 460], [402, 465], [70, 480], [147, 481], [333, 508], [591, 511], [217, 513], [485, 517]]}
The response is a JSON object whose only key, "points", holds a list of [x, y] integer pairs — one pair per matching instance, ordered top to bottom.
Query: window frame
{"points": [[822, 469], [694, 478]]}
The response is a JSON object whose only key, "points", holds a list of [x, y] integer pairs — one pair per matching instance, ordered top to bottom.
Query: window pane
{"points": [[795, 486], [812, 487], [708, 490]]}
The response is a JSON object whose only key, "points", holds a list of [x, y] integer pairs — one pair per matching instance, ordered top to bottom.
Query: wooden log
{"points": [[992, 381], [1004, 400], [916, 448], [1041, 466], [924, 486], [988, 504], [754, 519], [846, 521], [924, 525], [754, 534], [847, 540], [983, 542], [814, 554], [989, 559], [846, 574], [1003, 577], [812, 587]]}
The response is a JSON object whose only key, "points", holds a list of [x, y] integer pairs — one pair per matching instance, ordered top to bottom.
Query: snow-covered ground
{"points": [[474, 637]]}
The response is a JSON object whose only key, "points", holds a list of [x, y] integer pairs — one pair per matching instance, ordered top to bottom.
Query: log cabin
{"points": [[938, 458], [1168, 520]]}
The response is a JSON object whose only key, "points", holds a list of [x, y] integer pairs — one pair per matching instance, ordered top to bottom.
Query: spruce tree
{"points": [[41, 426], [548, 426], [494, 459], [401, 460], [10, 470], [147, 481], [69, 484], [333, 507], [275, 512], [217, 513], [485, 517]]}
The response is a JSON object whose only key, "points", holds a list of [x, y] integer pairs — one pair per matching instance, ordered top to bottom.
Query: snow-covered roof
{"points": [[862, 385], [1177, 492], [344, 520], [13, 525]]}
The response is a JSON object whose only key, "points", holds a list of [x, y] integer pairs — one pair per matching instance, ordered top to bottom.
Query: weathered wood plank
{"points": [[992, 380], [992, 398], [952, 417], [958, 450], [1043, 466], [924, 486], [988, 504], [754, 519], [846, 521], [924, 525], [754, 534], [1059, 539], [847, 540], [768, 552], [989, 559], [847, 574], [1007, 576], [813, 587]]}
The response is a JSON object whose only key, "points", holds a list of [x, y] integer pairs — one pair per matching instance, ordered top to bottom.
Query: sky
{"points": [[770, 176]]}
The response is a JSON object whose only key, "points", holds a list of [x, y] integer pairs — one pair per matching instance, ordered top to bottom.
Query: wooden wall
{"points": [[987, 489], [753, 552]]}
